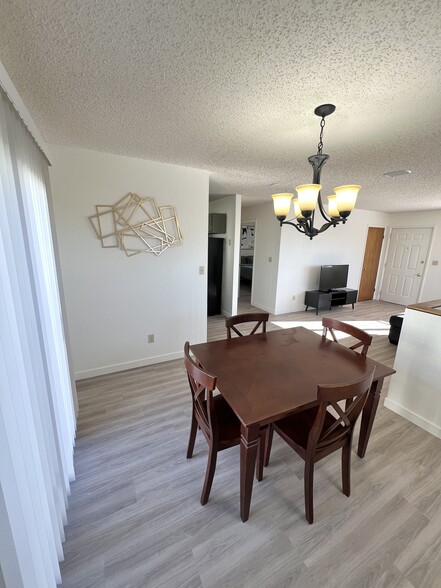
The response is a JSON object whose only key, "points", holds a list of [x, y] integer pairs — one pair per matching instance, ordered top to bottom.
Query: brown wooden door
{"points": [[374, 242]]}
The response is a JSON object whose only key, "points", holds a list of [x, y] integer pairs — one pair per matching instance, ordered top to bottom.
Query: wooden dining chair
{"points": [[260, 318], [332, 325], [214, 417], [315, 433]]}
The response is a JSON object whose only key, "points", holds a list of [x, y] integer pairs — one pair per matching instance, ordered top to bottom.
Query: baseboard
{"points": [[262, 307], [286, 310], [128, 365], [413, 417]]}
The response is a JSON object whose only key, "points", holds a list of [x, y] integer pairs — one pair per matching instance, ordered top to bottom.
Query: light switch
{"points": [[270, 259], [435, 262], [201, 270]]}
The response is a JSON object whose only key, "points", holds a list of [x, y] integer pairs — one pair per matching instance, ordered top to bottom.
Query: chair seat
{"points": [[298, 426]]}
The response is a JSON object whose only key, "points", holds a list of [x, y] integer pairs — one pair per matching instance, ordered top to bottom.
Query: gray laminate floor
{"points": [[135, 519]]}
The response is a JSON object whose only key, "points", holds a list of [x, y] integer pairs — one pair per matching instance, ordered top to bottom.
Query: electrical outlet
{"points": [[270, 259], [293, 296], [151, 338]]}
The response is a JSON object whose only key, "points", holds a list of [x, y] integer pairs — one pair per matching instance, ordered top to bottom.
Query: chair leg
{"points": [[191, 441], [268, 443], [261, 453], [346, 469], [209, 474], [309, 488]]}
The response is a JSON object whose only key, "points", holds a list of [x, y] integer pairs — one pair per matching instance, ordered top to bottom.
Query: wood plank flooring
{"points": [[135, 519]]}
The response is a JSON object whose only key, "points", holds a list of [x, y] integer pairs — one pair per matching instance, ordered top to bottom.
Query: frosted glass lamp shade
{"points": [[307, 197], [346, 198], [282, 204], [332, 207], [297, 211]]}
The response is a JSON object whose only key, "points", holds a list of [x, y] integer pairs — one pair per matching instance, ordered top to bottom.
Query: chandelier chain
{"points": [[320, 144]]}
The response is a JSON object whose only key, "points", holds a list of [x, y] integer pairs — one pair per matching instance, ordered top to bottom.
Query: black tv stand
{"points": [[319, 299]]}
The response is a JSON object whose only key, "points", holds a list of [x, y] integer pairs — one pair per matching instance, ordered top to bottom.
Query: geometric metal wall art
{"points": [[137, 225]]}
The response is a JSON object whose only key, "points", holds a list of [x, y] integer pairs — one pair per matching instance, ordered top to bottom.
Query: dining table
{"points": [[268, 376]]}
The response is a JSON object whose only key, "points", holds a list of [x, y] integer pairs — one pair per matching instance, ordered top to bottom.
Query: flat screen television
{"points": [[333, 277]]}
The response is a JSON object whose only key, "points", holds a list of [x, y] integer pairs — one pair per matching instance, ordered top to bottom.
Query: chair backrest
{"points": [[260, 318], [364, 339], [202, 385], [325, 434]]}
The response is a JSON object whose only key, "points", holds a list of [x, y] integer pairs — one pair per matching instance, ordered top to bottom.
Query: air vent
{"points": [[398, 172]]}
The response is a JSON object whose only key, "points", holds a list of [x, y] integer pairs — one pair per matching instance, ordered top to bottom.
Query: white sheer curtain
{"points": [[37, 416]]}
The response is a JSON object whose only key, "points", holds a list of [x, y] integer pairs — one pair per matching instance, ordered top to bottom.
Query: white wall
{"points": [[230, 205], [266, 248], [301, 258], [296, 259], [431, 285], [113, 301], [414, 391]]}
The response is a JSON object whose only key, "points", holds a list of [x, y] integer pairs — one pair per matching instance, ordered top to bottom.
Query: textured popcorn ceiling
{"points": [[231, 85]]}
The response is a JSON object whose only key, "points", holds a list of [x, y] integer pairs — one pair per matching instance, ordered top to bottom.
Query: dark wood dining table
{"points": [[268, 376]]}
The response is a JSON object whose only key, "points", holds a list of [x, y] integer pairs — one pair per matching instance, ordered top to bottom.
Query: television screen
{"points": [[333, 276]]}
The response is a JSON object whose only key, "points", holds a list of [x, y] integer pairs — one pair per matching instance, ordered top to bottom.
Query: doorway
{"points": [[372, 252], [406, 260], [246, 266]]}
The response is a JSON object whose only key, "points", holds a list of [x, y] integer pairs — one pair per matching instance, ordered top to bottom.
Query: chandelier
{"points": [[340, 204]]}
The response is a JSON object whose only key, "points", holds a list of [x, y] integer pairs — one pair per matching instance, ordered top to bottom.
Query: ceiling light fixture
{"points": [[340, 204]]}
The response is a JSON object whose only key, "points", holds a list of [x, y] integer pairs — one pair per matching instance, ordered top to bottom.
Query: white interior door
{"points": [[405, 265]]}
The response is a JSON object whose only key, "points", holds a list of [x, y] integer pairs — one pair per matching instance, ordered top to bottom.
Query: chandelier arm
{"points": [[327, 218], [310, 222], [295, 225], [308, 226], [326, 226]]}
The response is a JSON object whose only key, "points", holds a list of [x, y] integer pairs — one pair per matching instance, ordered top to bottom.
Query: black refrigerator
{"points": [[215, 263]]}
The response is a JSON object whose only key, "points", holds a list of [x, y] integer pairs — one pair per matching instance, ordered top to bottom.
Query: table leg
{"points": [[368, 416], [249, 443]]}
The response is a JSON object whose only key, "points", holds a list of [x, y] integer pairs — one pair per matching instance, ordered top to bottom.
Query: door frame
{"points": [[252, 222], [386, 253]]}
